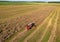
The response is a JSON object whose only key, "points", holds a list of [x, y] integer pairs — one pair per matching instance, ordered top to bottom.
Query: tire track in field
{"points": [[49, 23], [37, 29], [53, 32]]}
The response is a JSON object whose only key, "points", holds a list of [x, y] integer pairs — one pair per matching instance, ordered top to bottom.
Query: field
{"points": [[14, 18]]}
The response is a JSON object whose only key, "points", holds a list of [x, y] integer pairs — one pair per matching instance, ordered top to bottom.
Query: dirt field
{"points": [[14, 18]]}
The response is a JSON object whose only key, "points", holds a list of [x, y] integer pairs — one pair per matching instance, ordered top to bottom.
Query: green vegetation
{"points": [[23, 2], [14, 3], [18, 3]]}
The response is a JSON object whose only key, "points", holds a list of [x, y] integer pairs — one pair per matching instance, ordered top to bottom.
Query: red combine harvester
{"points": [[30, 25]]}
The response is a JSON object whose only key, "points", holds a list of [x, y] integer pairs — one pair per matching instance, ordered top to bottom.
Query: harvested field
{"points": [[14, 18]]}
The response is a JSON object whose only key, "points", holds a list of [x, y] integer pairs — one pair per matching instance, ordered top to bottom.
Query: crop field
{"points": [[14, 18]]}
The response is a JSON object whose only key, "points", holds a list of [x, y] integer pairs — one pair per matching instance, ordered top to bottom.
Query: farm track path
{"points": [[49, 23]]}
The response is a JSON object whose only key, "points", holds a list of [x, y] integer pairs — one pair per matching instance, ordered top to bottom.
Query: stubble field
{"points": [[14, 18]]}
